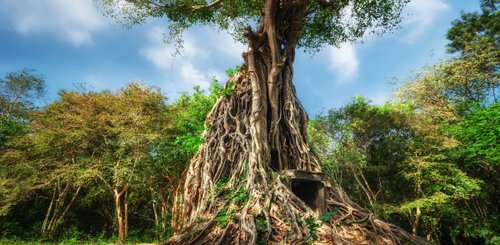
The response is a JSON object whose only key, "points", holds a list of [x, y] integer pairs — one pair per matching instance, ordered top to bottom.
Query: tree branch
{"points": [[326, 3], [208, 6], [168, 7]]}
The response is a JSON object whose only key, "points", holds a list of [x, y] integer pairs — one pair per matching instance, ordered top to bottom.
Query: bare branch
{"points": [[208, 6]]}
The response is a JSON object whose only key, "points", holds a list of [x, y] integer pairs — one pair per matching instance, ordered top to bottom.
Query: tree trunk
{"points": [[233, 191], [57, 209], [121, 212]]}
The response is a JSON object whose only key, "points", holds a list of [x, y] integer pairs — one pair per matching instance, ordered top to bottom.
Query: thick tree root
{"points": [[293, 222]]}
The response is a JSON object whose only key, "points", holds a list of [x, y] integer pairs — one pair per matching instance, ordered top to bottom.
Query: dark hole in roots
{"points": [[274, 160], [308, 186], [306, 191], [309, 192]]}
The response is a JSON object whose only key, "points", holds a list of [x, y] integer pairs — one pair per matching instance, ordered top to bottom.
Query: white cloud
{"points": [[422, 14], [72, 20], [226, 43], [157, 52], [161, 54], [205, 54], [344, 62], [182, 68], [193, 76]]}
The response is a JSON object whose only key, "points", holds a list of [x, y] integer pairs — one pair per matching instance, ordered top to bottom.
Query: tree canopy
{"points": [[326, 22], [475, 27], [19, 92]]}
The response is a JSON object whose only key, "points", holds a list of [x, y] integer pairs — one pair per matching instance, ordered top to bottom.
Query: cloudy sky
{"points": [[70, 42]]}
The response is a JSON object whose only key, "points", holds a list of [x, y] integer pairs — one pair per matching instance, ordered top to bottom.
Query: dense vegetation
{"points": [[93, 162], [93, 165]]}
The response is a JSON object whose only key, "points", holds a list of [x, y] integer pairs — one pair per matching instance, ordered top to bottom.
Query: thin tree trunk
{"points": [[356, 172], [70, 203], [57, 209], [125, 213], [48, 214], [121, 214], [155, 214], [164, 218]]}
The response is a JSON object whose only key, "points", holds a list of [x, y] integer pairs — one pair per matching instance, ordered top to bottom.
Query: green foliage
{"points": [[324, 24], [472, 27], [232, 71], [229, 89], [19, 92], [188, 116], [9, 130], [479, 133], [89, 140], [97, 140], [364, 141], [478, 153], [172, 154], [458, 156], [395, 159], [241, 196], [327, 216], [222, 218], [261, 224], [312, 224], [312, 227], [72, 236]]}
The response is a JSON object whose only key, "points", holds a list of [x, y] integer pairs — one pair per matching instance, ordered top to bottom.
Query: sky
{"points": [[70, 42]]}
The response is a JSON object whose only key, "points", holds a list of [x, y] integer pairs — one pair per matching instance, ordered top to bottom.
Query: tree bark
{"points": [[233, 192], [120, 195], [57, 209]]}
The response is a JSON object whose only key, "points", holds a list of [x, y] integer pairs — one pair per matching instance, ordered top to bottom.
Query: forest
{"points": [[103, 167]]}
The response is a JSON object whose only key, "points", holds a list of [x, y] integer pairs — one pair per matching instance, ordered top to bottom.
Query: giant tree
{"points": [[257, 128]]}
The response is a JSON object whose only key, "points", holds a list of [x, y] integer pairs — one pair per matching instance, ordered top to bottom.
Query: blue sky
{"points": [[69, 41]]}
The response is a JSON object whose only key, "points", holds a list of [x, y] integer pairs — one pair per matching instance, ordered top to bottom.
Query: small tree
{"points": [[19, 91], [259, 126]]}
